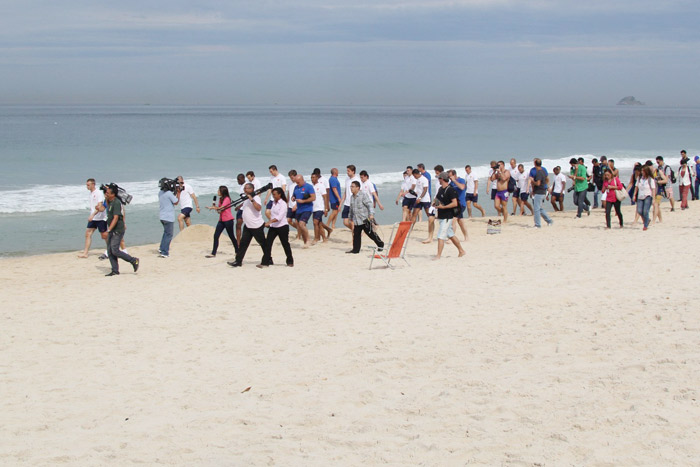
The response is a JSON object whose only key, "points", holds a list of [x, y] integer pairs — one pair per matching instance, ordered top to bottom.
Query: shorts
{"points": [[669, 191], [516, 192], [493, 193], [502, 195], [524, 196], [558, 196], [472, 197], [408, 202], [268, 205], [335, 205], [422, 205], [432, 211], [186, 212], [346, 212], [290, 213], [239, 214], [460, 214], [318, 215], [303, 216], [99, 225], [445, 232]]}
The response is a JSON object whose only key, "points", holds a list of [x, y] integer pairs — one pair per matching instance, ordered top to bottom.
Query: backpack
{"points": [[672, 175]]}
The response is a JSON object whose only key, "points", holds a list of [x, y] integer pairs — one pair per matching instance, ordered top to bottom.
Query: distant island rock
{"points": [[629, 100]]}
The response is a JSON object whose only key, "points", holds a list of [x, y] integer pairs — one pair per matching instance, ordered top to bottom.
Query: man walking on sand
{"points": [[502, 176], [539, 182], [472, 194], [186, 197], [334, 197], [446, 202], [98, 216], [115, 231]]}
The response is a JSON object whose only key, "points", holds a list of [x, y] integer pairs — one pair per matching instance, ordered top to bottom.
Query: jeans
{"points": [[697, 187], [631, 193], [596, 194], [580, 202], [538, 206], [643, 206], [608, 210], [228, 225], [272, 234], [246, 236], [357, 236], [167, 237], [113, 251]]}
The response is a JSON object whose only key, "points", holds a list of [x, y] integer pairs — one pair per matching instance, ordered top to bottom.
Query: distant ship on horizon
{"points": [[629, 100]]}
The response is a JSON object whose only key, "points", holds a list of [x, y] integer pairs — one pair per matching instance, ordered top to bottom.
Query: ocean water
{"points": [[48, 152]]}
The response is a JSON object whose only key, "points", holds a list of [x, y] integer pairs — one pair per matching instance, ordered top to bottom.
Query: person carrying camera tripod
{"points": [[361, 215], [253, 225], [115, 231]]}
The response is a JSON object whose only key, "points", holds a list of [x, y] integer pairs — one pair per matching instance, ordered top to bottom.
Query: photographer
{"points": [[186, 197], [167, 201], [446, 203], [361, 214], [253, 225], [115, 231]]}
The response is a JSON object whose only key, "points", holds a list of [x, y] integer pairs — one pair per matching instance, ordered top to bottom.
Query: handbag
{"points": [[621, 194]]}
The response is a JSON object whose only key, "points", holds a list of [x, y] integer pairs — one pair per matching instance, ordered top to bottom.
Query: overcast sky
{"points": [[397, 52]]}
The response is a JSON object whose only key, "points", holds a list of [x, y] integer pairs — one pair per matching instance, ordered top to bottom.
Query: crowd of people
{"points": [[511, 187]]}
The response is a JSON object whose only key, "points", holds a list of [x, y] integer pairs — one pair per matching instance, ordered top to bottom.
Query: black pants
{"points": [[608, 210], [228, 225], [283, 234], [246, 236], [357, 236]]}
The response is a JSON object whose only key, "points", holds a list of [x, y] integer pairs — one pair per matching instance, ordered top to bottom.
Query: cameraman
{"points": [[186, 197], [167, 201]]}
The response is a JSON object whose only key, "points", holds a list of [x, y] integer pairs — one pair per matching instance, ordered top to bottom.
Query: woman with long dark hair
{"points": [[611, 184], [225, 221], [278, 227]]}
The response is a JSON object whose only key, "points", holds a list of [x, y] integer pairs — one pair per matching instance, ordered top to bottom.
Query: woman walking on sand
{"points": [[684, 182], [611, 185], [644, 194], [225, 221], [278, 227]]}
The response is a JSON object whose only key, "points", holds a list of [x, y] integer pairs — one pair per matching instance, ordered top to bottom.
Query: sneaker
{"points": [[550, 223], [351, 252], [163, 256], [210, 256], [102, 257], [135, 264], [234, 264], [113, 273]]}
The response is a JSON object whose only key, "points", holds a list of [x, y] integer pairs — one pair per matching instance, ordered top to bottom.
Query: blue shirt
{"points": [[533, 171], [697, 171], [426, 174], [334, 183], [300, 192], [461, 194], [167, 201]]}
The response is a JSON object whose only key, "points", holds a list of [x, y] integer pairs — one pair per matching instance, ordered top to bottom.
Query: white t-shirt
{"points": [[515, 174], [469, 179], [278, 181], [523, 181], [494, 182], [559, 182], [256, 183], [408, 183], [422, 183], [326, 184], [368, 187], [646, 188], [290, 191], [348, 191], [241, 192], [97, 197], [186, 197], [318, 204], [252, 218]]}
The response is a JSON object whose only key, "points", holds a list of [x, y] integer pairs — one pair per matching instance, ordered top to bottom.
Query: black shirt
{"points": [[445, 196]]}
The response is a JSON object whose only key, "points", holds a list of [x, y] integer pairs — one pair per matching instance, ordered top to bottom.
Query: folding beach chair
{"points": [[396, 248]]}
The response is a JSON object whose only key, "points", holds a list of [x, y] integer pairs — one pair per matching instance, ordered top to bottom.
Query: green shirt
{"points": [[581, 185], [114, 209]]}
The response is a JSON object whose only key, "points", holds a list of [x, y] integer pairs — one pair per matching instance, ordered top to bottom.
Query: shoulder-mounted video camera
{"points": [[120, 193]]}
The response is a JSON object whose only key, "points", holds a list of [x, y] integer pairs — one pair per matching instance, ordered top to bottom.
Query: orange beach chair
{"points": [[396, 248]]}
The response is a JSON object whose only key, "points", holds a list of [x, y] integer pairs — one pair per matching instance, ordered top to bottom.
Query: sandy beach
{"points": [[566, 345]]}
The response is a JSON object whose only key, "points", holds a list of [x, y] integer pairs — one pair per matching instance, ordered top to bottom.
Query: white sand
{"points": [[569, 345]]}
